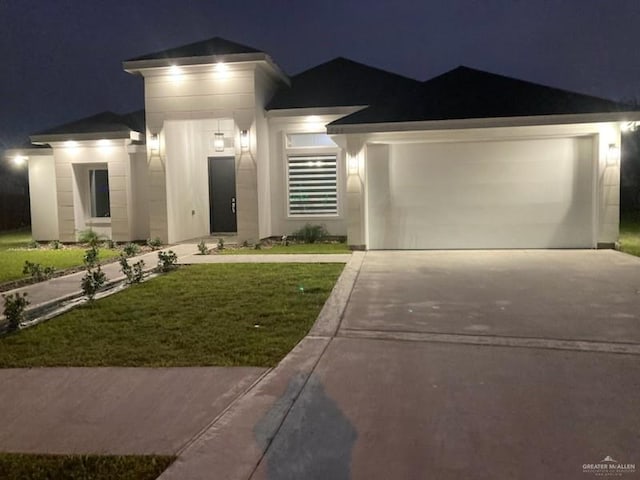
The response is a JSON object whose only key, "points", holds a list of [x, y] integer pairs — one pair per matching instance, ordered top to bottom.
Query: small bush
{"points": [[311, 233], [90, 237], [155, 243], [33, 244], [110, 244], [221, 244], [55, 245], [257, 246], [202, 248], [130, 249], [91, 257], [167, 261], [37, 271], [134, 273], [92, 282], [14, 307]]}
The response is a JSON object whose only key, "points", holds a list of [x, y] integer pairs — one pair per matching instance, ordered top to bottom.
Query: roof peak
{"points": [[201, 48]]}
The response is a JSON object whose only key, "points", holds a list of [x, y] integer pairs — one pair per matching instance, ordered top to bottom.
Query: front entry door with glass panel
{"points": [[222, 195]]}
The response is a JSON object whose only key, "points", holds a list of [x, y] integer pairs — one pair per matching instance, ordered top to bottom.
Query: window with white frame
{"points": [[312, 160], [99, 193]]}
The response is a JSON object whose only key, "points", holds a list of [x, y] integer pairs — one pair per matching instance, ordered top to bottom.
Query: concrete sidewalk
{"points": [[59, 289], [43, 294]]}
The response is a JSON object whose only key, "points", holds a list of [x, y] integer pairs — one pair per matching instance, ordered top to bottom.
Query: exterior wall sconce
{"points": [[244, 140], [218, 142], [154, 143], [613, 154], [19, 160], [353, 165]]}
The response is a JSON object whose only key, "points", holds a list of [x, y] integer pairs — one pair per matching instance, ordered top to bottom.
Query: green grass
{"points": [[630, 233], [294, 248], [13, 254], [197, 315], [81, 467]]}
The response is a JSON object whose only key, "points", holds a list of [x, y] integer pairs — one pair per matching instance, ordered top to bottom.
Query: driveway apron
{"points": [[401, 393]]}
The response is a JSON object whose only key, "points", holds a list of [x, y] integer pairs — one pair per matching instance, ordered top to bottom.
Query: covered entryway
{"points": [[533, 193]]}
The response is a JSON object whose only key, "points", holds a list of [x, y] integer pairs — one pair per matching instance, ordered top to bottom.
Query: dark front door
{"points": [[222, 194]]}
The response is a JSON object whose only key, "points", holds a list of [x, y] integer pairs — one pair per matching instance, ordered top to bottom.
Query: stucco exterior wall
{"points": [[72, 164], [43, 198], [281, 222]]}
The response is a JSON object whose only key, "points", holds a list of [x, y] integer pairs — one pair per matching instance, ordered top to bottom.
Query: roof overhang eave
{"points": [[136, 66], [484, 122], [62, 137], [28, 152]]}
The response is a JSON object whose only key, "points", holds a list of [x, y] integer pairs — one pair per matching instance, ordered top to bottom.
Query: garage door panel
{"points": [[517, 194]]}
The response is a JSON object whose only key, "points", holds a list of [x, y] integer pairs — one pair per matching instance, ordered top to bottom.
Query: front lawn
{"points": [[630, 233], [310, 248], [14, 252], [215, 314], [81, 467]]}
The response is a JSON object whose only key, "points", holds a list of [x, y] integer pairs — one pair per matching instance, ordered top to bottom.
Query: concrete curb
{"points": [[235, 443]]}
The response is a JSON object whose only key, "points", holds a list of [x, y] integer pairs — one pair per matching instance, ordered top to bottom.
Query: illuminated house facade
{"points": [[227, 143]]}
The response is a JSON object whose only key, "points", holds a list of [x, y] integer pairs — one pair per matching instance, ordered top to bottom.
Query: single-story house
{"points": [[228, 143]]}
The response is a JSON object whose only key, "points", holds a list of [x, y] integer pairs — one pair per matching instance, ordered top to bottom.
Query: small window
{"points": [[303, 140], [312, 185], [99, 193]]}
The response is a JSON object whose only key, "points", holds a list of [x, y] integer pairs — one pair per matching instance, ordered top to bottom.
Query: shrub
{"points": [[311, 233], [90, 237], [155, 243], [33, 244], [110, 244], [221, 244], [55, 245], [202, 247], [130, 249], [91, 256], [167, 261], [37, 271], [134, 273], [92, 282], [14, 307]]}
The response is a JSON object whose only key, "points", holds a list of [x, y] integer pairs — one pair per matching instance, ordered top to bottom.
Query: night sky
{"points": [[61, 59]]}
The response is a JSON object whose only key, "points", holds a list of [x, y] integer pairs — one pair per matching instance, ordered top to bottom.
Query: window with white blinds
{"points": [[312, 185]]}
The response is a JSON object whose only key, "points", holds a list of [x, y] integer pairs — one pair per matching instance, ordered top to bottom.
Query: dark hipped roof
{"points": [[204, 48], [340, 82], [466, 93], [105, 122]]}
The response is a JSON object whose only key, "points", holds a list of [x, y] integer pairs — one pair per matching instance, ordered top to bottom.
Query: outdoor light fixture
{"points": [[222, 67], [244, 140], [218, 142], [154, 143], [613, 154], [19, 160], [353, 165]]}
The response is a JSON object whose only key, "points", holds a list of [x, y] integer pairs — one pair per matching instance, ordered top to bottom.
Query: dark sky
{"points": [[61, 59]]}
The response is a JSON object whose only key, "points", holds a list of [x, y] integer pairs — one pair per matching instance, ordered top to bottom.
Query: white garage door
{"points": [[509, 194]]}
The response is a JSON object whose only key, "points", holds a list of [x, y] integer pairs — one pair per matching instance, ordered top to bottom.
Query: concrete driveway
{"points": [[473, 365]]}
